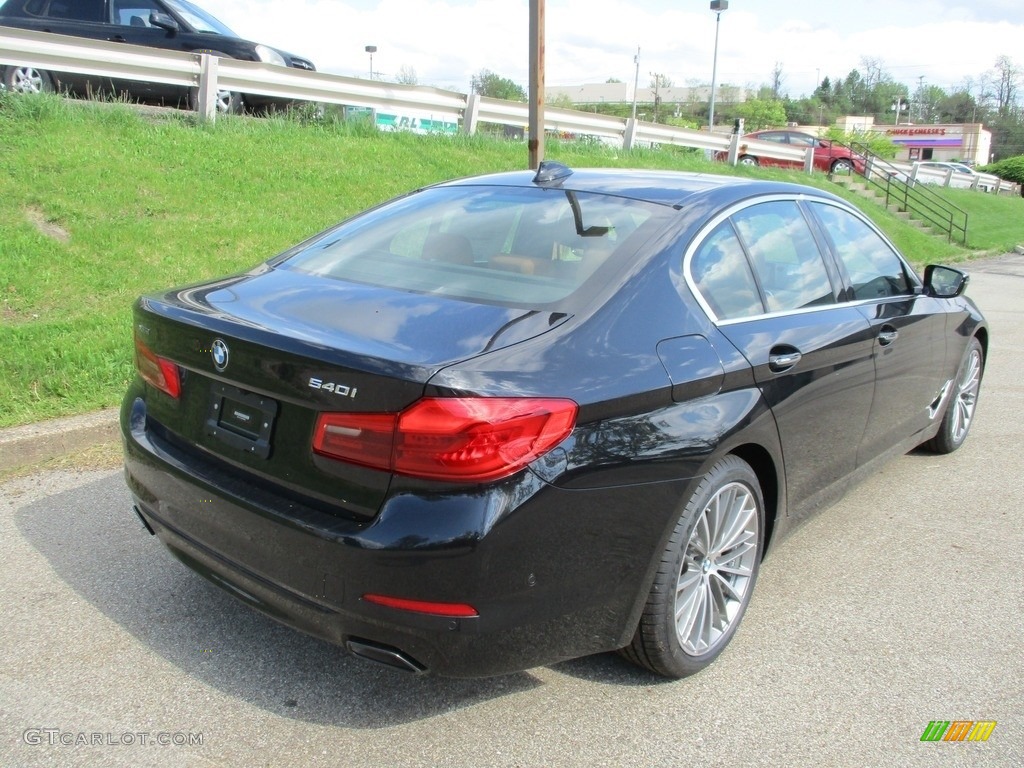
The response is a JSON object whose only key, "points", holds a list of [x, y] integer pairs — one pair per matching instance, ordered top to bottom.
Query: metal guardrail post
{"points": [[206, 103], [472, 114], [629, 136], [734, 149], [809, 161]]}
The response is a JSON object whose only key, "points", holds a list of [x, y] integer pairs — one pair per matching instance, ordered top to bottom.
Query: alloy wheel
{"points": [[27, 80], [966, 395], [717, 569]]}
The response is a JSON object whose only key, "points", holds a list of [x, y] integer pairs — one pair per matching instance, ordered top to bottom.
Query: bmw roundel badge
{"points": [[219, 351]]}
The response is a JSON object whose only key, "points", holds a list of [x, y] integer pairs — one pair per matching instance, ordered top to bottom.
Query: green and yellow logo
{"points": [[958, 730]]}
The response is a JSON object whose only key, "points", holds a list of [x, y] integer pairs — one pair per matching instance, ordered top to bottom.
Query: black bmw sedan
{"points": [[519, 418]]}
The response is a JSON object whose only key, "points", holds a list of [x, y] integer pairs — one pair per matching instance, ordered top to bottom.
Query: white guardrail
{"points": [[209, 74]]}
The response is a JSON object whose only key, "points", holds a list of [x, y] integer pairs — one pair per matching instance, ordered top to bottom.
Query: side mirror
{"points": [[162, 20], [944, 282]]}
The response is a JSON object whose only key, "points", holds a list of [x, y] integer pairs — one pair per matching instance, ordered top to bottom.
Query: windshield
{"points": [[199, 19], [512, 246]]}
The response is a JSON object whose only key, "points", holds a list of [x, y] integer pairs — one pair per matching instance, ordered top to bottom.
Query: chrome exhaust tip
{"points": [[386, 655]]}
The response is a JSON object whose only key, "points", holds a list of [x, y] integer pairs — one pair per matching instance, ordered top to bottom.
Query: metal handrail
{"points": [[913, 198]]}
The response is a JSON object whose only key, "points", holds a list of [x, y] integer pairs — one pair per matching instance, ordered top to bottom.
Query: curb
{"points": [[34, 443]]}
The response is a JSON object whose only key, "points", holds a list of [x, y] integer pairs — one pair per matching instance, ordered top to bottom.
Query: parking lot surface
{"points": [[901, 605]]}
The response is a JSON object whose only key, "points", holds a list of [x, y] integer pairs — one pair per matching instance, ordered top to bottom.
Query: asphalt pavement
{"points": [[901, 605]]}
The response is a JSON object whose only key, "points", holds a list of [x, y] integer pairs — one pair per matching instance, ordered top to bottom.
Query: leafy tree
{"points": [[407, 75], [778, 78], [660, 81], [487, 83], [1006, 83], [824, 91], [927, 100], [562, 101], [957, 107], [761, 113], [876, 142], [1011, 169]]}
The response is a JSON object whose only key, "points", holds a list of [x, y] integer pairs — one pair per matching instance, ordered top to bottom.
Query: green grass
{"points": [[99, 204]]}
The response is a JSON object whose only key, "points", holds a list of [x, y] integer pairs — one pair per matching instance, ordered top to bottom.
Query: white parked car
{"points": [[963, 175]]}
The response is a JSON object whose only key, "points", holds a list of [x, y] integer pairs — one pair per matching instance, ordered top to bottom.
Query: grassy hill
{"points": [[99, 204]]}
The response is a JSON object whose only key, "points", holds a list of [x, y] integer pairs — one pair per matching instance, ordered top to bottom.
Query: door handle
{"points": [[887, 335], [778, 362]]}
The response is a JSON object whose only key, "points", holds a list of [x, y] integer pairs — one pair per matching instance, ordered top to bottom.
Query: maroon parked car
{"points": [[829, 157]]}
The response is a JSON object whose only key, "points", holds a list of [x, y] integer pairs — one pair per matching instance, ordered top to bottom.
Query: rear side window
{"points": [[73, 10], [494, 244], [720, 270], [875, 271]]}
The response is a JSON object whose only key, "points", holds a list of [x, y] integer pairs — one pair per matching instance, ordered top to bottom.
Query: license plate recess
{"points": [[242, 420]]}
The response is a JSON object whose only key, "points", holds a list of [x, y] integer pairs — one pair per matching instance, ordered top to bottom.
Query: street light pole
{"points": [[717, 6], [371, 49], [636, 79]]}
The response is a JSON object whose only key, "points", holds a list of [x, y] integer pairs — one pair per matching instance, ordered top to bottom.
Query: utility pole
{"points": [[536, 141]]}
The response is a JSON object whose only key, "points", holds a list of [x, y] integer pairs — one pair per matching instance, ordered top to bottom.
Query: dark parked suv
{"points": [[176, 25]]}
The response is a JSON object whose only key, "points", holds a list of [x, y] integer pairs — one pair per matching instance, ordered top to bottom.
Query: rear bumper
{"points": [[553, 573]]}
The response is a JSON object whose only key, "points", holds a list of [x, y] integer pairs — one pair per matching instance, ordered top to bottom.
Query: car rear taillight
{"points": [[156, 370], [456, 438]]}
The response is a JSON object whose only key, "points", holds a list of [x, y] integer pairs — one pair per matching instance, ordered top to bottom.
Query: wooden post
{"points": [[536, 140]]}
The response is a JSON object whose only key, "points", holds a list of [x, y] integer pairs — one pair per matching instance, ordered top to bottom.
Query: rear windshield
{"points": [[493, 244]]}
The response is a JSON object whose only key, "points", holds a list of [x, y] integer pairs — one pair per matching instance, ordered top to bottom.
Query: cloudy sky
{"points": [[447, 41]]}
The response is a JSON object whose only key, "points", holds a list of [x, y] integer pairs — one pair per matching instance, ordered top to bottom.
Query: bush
{"points": [[1011, 169]]}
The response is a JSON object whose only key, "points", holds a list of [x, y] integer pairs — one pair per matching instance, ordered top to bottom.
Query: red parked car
{"points": [[829, 157]]}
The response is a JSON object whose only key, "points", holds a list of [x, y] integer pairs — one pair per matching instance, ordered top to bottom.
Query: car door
{"points": [[77, 18], [130, 22], [779, 137], [761, 275], [908, 328]]}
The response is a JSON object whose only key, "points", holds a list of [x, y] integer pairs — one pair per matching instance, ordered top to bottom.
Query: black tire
{"points": [[26, 79], [748, 160], [963, 401], [692, 581]]}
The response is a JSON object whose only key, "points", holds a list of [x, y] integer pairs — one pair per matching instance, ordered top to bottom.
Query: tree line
{"points": [[992, 98]]}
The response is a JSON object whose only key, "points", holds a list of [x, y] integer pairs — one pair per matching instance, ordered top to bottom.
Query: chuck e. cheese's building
{"points": [[944, 143]]}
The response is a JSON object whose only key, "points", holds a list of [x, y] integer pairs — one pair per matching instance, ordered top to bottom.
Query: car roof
{"points": [[663, 187]]}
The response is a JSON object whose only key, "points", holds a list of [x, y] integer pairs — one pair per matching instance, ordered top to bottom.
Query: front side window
{"points": [[134, 13], [200, 20], [495, 244], [784, 256], [874, 269]]}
